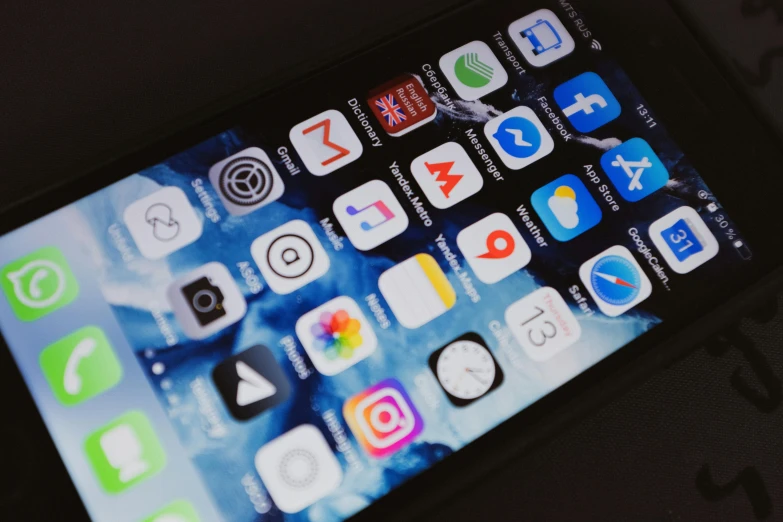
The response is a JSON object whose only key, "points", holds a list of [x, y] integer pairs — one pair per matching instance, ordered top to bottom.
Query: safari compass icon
{"points": [[38, 283]]}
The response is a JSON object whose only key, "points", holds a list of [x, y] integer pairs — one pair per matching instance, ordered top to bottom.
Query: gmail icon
{"points": [[326, 142]]}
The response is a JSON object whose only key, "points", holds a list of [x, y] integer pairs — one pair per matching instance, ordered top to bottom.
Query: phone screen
{"points": [[381, 264]]}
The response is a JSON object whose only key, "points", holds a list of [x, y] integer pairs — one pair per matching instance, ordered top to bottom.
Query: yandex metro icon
{"points": [[443, 175], [446, 175]]}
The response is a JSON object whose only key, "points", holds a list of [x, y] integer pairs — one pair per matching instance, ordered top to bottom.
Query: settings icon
{"points": [[246, 181]]}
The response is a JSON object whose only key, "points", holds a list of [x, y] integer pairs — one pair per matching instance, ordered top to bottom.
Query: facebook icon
{"points": [[587, 102]]}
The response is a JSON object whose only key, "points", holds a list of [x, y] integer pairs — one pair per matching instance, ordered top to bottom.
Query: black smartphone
{"points": [[345, 297]]}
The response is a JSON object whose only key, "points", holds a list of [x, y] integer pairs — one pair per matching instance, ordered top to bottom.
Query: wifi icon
{"points": [[596, 45]]}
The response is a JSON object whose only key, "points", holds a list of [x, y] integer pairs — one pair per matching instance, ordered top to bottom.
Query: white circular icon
{"points": [[290, 256], [466, 369], [298, 468]]}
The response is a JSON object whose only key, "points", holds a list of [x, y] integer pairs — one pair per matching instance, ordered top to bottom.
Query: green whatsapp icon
{"points": [[38, 283]]}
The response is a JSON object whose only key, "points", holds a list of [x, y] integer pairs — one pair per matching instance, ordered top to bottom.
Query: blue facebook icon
{"points": [[587, 102]]}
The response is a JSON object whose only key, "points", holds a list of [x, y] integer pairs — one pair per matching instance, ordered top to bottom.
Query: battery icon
{"points": [[743, 250]]}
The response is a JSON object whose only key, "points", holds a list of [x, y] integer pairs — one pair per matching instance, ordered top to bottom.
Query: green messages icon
{"points": [[39, 283], [80, 366], [124, 452], [179, 511]]}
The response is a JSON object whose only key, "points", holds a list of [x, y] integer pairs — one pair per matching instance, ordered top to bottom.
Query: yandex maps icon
{"points": [[446, 175]]}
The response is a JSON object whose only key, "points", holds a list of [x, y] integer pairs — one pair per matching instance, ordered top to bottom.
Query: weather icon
{"points": [[564, 206]]}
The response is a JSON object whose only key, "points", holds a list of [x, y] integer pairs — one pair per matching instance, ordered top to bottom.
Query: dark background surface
{"points": [[701, 440]]}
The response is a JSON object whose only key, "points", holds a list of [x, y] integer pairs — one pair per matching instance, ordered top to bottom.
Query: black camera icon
{"points": [[205, 300]]}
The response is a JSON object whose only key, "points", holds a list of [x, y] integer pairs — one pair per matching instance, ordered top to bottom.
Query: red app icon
{"points": [[402, 105]]}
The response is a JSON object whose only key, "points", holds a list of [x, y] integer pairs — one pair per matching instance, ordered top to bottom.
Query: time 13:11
{"points": [[644, 113]]}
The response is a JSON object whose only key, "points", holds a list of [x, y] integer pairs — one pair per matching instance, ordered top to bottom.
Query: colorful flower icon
{"points": [[337, 334]]}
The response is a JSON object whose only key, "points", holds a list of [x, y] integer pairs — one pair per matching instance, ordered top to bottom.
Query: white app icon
{"points": [[541, 37], [473, 70], [519, 137], [326, 142], [446, 175], [246, 181], [370, 215], [162, 222], [684, 240], [494, 248], [290, 257], [615, 281], [417, 290], [206, 300], [543, 324], [336, 335], [252, 387], [298, 468]]}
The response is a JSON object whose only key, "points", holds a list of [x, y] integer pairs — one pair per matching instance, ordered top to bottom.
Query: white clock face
{"points": [[466, 369]]}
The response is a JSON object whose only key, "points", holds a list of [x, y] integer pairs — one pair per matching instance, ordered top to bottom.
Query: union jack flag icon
{"points": [[401, 105], [391, 110]]}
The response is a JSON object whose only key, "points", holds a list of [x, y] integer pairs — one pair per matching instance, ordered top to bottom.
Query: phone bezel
{"points": [[687, 92]]}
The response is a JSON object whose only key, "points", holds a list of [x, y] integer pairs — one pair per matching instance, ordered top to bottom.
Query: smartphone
{"points": [[346, 297]]}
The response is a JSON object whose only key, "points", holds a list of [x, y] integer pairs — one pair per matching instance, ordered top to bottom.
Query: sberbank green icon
{"points": [[471, 71], [38, 283], [80, 366], [124, 452], [178, 511]]}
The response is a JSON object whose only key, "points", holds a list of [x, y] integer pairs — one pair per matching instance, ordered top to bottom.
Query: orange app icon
{"points": [[402, 105]]}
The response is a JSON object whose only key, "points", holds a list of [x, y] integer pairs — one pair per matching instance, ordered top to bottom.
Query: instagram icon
{"points": [[383, 418]]}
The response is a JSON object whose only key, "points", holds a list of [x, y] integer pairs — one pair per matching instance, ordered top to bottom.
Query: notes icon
{"points": [[362, 212]]}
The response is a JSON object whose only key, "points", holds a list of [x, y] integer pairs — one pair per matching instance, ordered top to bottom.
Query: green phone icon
{"points": [[38, 283], [80, 366], [124, 452], [178, 511]]}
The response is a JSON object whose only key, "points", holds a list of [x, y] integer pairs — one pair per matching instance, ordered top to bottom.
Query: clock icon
{"points": [[466, 369]]}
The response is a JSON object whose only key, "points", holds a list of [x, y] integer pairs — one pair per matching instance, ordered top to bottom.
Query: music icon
{"points": [[362, 211], [385, 214]]}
